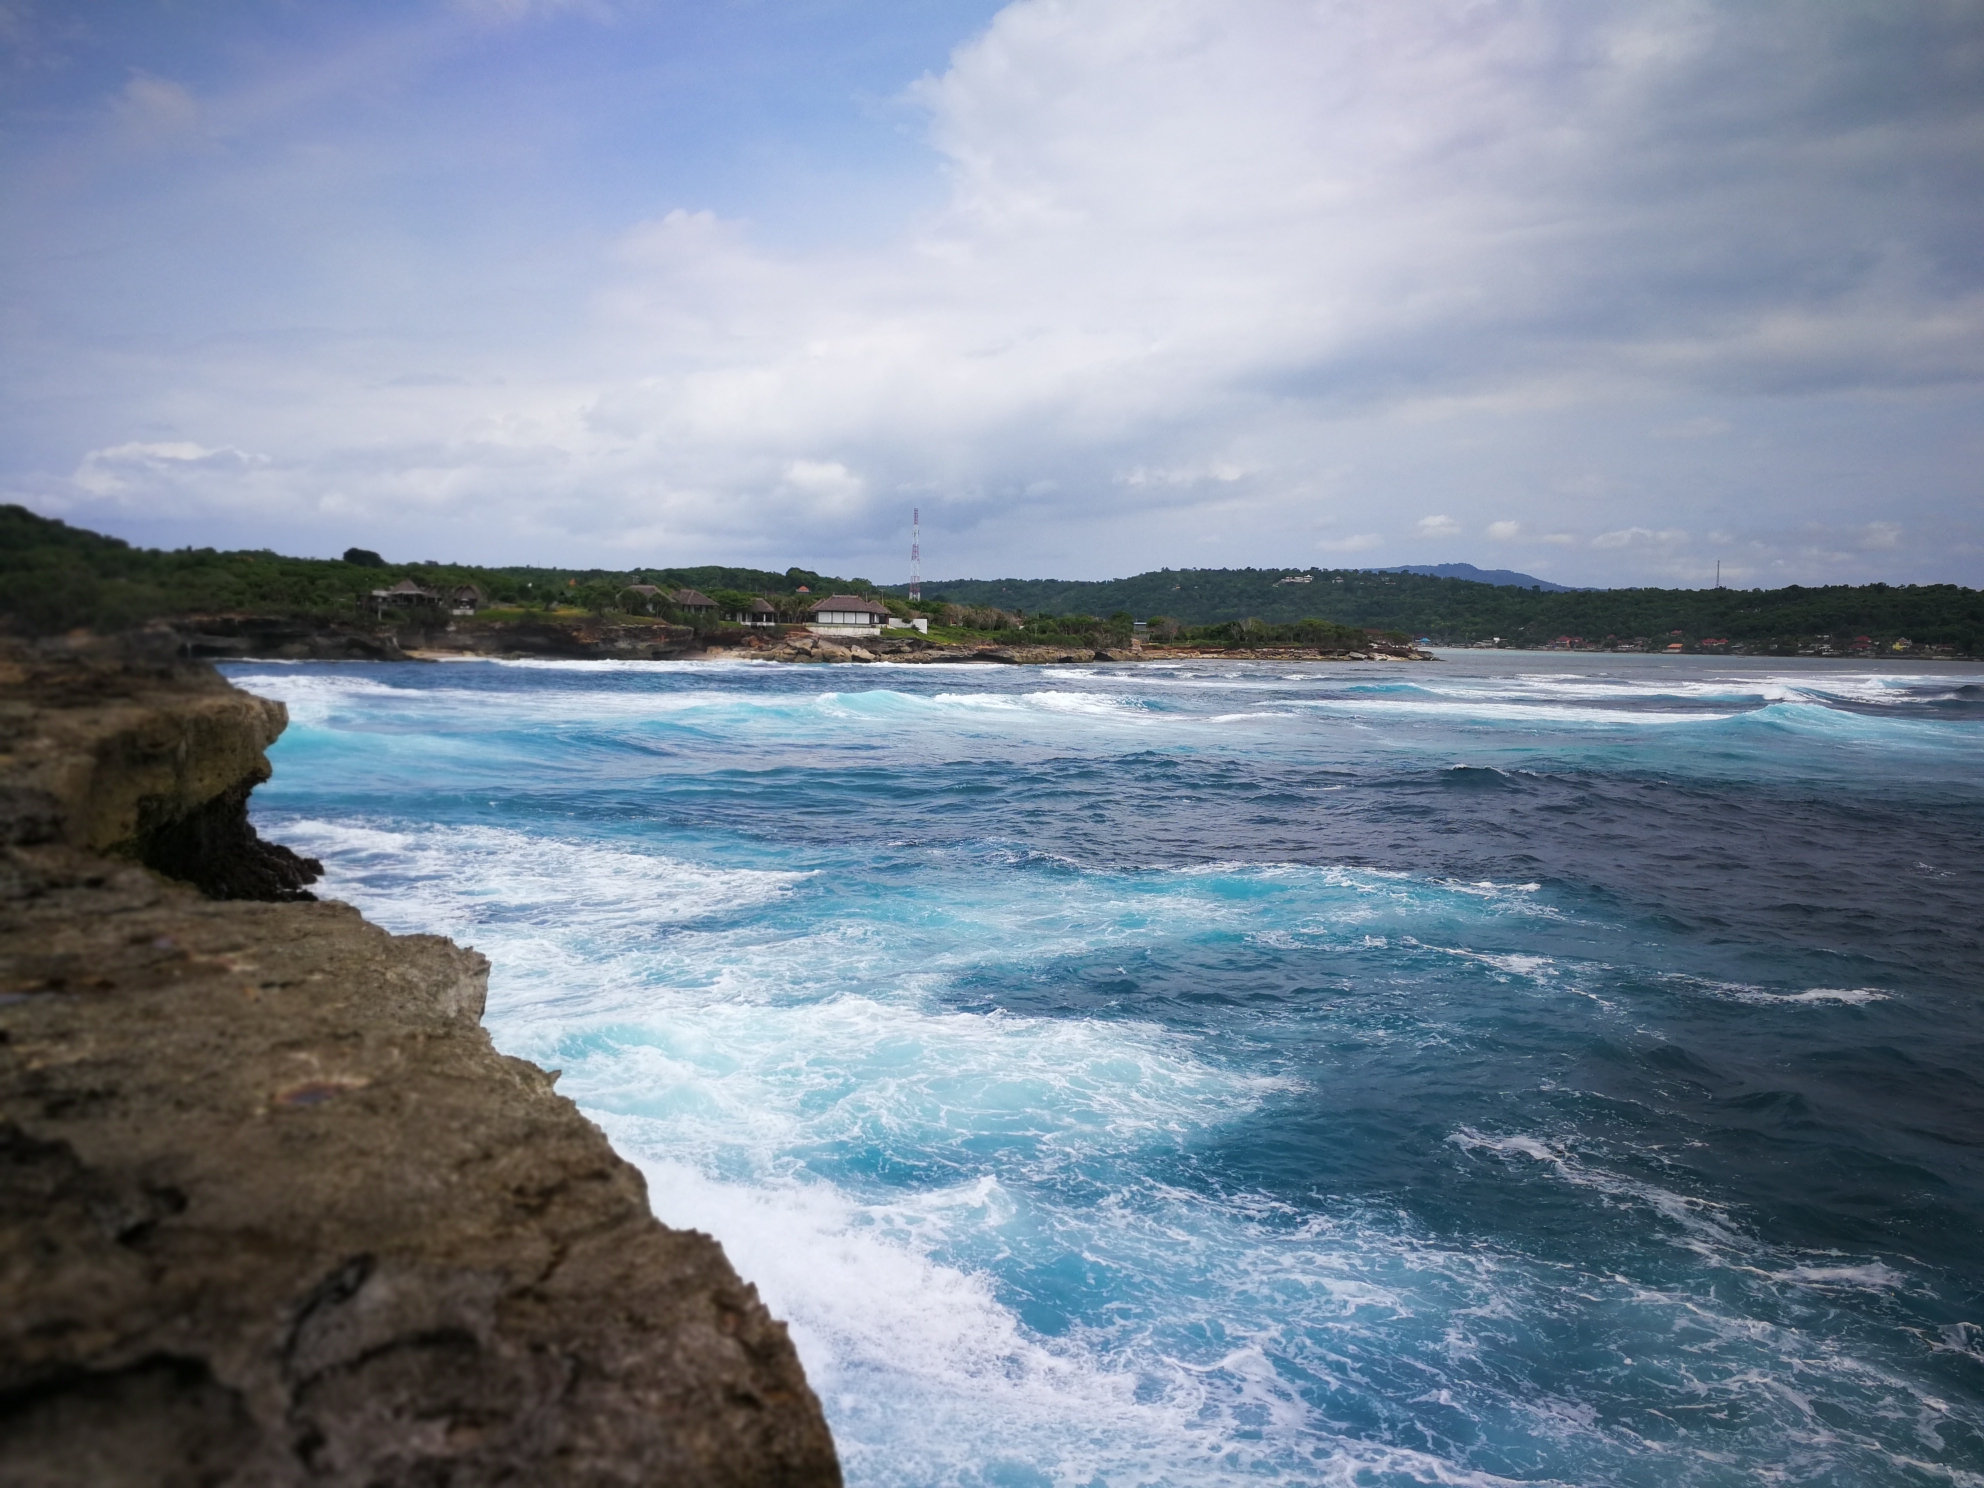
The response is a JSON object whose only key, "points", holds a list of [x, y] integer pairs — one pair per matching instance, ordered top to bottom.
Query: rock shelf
{"points": [[273, 1210]]}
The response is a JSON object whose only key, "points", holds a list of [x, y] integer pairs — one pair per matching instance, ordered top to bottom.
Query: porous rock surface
{"points": [[273, 1210]]}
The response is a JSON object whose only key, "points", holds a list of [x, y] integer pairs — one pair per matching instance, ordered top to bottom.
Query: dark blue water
{"points": [[1507, 1068]]}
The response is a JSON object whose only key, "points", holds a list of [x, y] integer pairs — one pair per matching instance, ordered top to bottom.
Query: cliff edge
{"points": [[273, 1209]]}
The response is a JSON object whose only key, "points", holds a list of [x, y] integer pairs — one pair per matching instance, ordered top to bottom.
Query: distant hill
{"points": [[1504, 576], [1382, 599], [1460, 610]]}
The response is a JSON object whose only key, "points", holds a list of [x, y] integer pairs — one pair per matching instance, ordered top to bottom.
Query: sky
{"points": [[1605, 292]]}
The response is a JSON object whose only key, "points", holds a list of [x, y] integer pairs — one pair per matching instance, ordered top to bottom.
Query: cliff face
{"points": [[233, 637], [117, 752], [272, 1208]]}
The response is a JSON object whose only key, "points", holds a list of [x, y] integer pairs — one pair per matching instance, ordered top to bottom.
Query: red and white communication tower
{"points": [[915, 552]]}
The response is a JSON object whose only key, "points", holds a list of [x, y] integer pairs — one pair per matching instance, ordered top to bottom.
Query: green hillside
{"points": [[55, 577], [1461, 611]]}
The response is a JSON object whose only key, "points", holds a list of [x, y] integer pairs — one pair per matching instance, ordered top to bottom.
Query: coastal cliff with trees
{"points": [[55, 578]]}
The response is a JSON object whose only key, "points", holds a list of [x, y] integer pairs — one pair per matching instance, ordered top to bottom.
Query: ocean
{"points": [[1514, 1068]]}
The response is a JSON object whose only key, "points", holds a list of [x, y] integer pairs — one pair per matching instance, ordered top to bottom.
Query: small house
{"points": [[405, 595], [642, 597], [466, 599], [692, 602], [757, 612], [847, 614]]}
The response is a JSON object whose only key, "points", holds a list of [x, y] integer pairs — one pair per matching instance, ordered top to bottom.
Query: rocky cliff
{"points": [[272, 1208]]}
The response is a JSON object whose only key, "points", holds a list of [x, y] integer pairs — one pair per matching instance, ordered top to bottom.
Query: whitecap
{"points": [[1763, 997], [1873, 1276]]}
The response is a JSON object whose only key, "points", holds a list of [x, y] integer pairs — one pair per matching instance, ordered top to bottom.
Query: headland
{"points": [[273, 1209]]}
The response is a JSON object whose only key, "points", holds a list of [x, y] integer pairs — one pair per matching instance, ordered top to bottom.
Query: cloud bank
{"points": [[1619, 289]]}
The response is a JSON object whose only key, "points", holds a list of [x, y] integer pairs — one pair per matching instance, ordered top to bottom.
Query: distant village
{"points": [[848, 615]]}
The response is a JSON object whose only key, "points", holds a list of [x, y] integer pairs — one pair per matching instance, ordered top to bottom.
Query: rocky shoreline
{"points": [[265, 638], [273, 1210]]}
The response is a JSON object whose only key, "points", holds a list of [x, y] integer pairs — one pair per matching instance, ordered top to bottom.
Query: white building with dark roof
{"points": [[846, 614]]}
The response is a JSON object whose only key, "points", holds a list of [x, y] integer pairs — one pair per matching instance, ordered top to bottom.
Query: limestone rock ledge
{"points": [[273, 1209]]}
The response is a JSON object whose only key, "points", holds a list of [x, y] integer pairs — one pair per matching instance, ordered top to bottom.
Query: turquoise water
{"points": [[1514, 1068]]}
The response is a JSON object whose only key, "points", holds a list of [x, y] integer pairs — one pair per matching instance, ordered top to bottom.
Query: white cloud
{"points": [[156, 112], [1149, 222], [1306, 236], [127, 469], [1220, 473], [829, 485], [1627, 537], [1880, 537]]}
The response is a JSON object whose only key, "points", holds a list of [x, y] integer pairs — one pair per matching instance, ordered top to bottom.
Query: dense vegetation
{"points": [[55, 577], [1459, 611]]}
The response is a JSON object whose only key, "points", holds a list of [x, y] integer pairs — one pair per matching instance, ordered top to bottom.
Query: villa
{"points": [[405, 595], [692, 602], [847, 614]]}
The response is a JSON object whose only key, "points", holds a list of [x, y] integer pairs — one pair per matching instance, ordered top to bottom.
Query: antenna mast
{"points": [[915, 552]]}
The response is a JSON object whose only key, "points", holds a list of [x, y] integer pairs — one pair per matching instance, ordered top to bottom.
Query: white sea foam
{"points": [[608, 665], [1824, 690], [311, 697], [317, 699], [1078, 704], [1492, 711], [464, 876], [1514, 964], [1851, 995], [1764, 997], [743, 1082], [1470, 1140], [1702, 1221], [1873, 1276], [920, 1354]]}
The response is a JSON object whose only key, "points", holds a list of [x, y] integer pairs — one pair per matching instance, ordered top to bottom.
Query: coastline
{"points": [[265, 638], [275, 1208]]}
